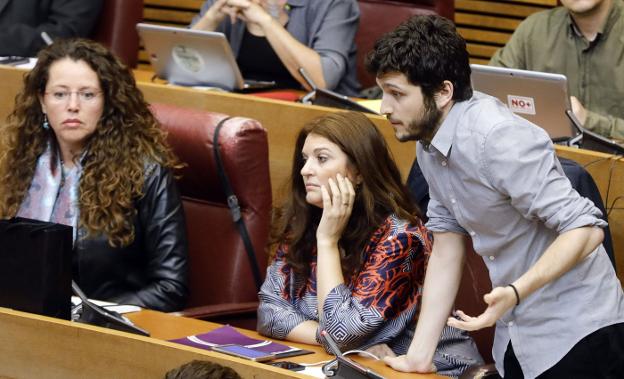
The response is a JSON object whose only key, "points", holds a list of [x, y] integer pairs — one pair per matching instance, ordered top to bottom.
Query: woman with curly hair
{"points": [[82, 148], [351, 249]]}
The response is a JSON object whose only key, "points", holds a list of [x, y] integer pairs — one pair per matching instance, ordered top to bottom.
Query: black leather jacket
{"points": [[152, 271]]}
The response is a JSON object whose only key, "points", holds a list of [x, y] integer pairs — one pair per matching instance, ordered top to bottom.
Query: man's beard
{"points": [[424, 128]]}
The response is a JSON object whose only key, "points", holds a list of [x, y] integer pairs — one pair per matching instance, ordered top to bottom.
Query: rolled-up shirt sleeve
{"points": [[334, 39], [535, 183], [440, 219]]}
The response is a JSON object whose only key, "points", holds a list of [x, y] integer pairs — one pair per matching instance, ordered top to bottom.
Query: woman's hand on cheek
{"points": [[337, 208]]}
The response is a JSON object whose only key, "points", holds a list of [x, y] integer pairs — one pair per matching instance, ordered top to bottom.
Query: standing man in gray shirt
{"points": [[556, 301]]}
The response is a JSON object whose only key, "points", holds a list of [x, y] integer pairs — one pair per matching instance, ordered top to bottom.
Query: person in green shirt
{"points": [[583, 40]]}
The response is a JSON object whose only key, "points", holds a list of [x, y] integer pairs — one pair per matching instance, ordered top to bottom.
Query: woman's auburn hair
{"points": [[127, 138], [379, 195]]}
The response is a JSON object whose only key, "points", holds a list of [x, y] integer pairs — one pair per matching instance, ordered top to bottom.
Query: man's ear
{"points": [[444, 96]]}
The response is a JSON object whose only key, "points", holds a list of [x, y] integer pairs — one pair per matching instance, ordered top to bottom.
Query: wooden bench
{"points": [[488, 25]]}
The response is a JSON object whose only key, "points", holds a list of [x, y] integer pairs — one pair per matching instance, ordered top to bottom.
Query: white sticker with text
{"points": [[188, 58], [520, 104]]}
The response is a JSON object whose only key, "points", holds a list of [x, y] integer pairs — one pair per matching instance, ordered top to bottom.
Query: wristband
{"points": [[516, 292]]}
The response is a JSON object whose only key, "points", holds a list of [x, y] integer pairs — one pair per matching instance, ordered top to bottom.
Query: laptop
{"points": [[194, 58], [537, 96], [327, 98], [541, 98]]}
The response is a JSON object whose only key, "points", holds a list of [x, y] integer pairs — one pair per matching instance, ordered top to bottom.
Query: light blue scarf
{"points": [[53, 192]]}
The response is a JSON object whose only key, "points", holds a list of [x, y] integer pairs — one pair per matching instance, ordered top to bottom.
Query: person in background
{"points": [[22, 21], [272, 39], [583, 41], [82, 148], [352, 250], [556, 302], [202, 370]]}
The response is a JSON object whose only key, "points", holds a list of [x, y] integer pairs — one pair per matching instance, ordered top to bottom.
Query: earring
{"points": [[46, 124]]}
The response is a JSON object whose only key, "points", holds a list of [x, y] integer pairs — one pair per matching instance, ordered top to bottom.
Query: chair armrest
{"points": [[219, 310], [481, 371]]}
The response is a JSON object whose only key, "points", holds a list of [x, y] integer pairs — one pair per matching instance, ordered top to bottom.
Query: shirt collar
{"points": [[296, 3], [443, 139]]}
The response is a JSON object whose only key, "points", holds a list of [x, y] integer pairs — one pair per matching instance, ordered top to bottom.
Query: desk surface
{"points": [[166, 327], [34, 346]]}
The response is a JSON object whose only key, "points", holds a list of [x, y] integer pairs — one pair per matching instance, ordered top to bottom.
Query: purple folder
{"points": [[228, 335]]}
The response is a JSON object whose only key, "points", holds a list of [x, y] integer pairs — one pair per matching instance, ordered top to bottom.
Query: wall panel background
{"points": [[485, 24]]}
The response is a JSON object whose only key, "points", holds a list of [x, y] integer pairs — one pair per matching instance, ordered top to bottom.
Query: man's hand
{"points": [[578, 109], [499, 301], [380, 351], [405, 364]]}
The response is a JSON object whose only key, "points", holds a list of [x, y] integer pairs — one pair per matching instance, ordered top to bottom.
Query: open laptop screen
{"points": [[194, 58], [540, 97]]}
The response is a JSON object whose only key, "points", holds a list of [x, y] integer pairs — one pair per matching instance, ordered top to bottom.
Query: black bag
{"points": [[35, 267]]}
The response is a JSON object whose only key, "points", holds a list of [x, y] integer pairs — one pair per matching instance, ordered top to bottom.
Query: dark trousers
{"points": [[598, 355]]}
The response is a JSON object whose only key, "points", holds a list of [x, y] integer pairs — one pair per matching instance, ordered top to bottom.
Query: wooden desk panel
{"points": [[11, 83], [608, 173], [164, 326], [33, 346]]}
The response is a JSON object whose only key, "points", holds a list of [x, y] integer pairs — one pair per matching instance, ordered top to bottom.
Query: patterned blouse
{"points": [[378, 305]]}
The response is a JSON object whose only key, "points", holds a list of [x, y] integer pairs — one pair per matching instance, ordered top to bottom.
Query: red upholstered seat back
{"points": [[381, 16], [116, 28], [220, 270], [474, 284]]}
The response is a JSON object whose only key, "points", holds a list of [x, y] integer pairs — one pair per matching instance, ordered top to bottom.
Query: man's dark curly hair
{"points": [[427, 50]]}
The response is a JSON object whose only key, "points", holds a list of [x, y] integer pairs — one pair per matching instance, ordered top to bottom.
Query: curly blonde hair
{"points": [[127, 137]]}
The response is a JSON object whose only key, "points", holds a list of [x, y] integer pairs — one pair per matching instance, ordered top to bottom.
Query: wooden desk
{"points": [[284, 119], [164, 326], [33, 346]]}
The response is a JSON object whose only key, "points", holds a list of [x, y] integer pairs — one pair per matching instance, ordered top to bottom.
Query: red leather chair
{"points": [[381, 16], [116, 28], [222, 287]]}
